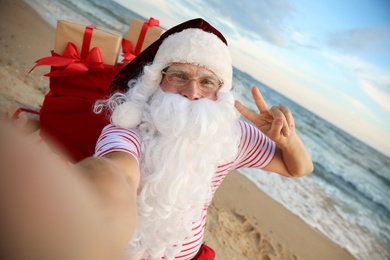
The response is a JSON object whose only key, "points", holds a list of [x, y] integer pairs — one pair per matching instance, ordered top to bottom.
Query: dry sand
{"points": [[243, 222]]}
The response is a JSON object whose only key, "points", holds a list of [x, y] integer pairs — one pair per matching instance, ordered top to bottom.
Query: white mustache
{"points": [[178, 116]]}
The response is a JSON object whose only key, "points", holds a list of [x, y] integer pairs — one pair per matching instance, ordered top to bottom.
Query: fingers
{"points": [[259, 100], [260, 103], [244, 111], [288, 115], [283, 120], [277, 121], [277, 128]]}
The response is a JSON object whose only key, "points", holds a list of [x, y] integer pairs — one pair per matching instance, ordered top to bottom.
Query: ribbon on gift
{"points": [[141, 38], [127, 49], [72, 62]]}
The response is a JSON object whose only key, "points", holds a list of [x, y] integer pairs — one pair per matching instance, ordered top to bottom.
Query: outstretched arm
{"points": [[291, 158], [115, 178], [58, 211]]}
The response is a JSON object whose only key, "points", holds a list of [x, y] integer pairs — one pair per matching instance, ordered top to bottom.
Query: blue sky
{"points": [[330, 56]]}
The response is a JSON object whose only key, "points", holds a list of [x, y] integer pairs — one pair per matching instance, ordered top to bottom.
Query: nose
{"points": [[191, 90]]}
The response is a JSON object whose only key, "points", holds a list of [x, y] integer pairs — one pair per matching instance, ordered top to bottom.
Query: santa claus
{"points": [[174, 111]]}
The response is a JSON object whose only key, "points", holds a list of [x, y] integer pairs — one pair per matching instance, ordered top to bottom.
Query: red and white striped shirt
{"points": [[255, 151]]}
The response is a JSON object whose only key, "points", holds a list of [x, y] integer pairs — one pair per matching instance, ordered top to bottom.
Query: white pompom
{"points": [[127, 115]]}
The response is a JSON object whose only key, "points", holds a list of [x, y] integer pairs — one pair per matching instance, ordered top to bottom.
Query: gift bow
{"points": [[127, 48], [71, 63]]}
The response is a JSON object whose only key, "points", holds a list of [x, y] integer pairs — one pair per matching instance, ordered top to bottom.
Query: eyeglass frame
{"points": [[165, 70]]}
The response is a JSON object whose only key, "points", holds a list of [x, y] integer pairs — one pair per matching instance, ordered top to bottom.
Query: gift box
{"points": [[142, 34], [86, 37]]}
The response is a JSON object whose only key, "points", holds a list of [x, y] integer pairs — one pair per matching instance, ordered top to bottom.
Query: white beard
{"points": [[183, 142]]}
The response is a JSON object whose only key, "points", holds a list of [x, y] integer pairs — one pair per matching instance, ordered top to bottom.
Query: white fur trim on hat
{"points": [[198, 47]]}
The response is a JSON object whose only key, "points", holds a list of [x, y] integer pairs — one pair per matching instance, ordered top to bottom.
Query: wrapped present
{"points": [[142, 34], [86, 37], [80, 48]]}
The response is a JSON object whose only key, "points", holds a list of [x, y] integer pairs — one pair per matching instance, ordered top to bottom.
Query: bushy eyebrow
{"points": [[174, 68], [203, 74]]}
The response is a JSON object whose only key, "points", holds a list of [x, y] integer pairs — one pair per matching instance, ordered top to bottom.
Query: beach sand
{"points": [[243, 222]]}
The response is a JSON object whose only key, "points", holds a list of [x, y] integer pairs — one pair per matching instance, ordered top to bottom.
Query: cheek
{"points": [[166, 87], [212, 96]]}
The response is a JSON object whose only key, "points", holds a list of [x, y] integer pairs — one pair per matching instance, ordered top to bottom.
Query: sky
{"points": [[330, 56]]}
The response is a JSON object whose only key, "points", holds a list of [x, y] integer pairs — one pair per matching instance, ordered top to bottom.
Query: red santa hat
{"points": [[194, 41]]}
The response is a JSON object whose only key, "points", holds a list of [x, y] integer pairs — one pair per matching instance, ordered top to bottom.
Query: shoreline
{"points": [[243, 221], [278, 232]]}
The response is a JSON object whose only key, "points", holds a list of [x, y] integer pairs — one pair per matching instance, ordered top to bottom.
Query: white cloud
{"points": [[164, 11], [265, 19], [300, 37], [360, 39], [373, 80], [377, 93], [354, 102]]}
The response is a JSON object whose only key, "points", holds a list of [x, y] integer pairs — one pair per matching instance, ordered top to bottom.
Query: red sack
{"points": [[77, 79], [67, 116], [205, 253]]}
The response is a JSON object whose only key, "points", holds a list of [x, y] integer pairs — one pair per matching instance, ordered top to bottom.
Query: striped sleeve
{"points": [[115, 139], [256, 150]]}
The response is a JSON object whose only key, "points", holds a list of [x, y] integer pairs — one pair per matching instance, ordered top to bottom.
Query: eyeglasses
{"points": [[208, 84]]}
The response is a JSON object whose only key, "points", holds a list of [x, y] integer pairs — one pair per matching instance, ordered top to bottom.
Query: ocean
{"points": [[347, 198]]}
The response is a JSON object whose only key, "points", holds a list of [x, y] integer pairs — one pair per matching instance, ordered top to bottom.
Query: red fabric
{"points": [[92, 84], [66, 116], [70, 124], [206, 253]]}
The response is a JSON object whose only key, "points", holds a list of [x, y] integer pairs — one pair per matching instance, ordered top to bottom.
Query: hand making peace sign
{"points": [[277, 123]]}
